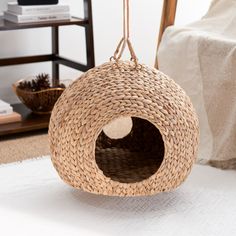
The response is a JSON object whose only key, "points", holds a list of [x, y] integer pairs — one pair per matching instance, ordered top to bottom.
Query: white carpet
{"points": [[34, 201]]}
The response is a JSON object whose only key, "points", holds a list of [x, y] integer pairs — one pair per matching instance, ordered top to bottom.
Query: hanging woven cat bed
{"points": [[157, 154]]}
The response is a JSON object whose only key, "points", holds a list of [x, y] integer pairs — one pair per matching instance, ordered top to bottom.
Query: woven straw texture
{"points": [[40, 102], [158, 153]]}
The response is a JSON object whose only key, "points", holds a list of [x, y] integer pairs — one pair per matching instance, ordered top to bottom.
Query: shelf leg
{"points": [[89, 34], [55, 52]]}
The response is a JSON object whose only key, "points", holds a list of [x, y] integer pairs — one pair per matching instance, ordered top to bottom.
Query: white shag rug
{"points": [[34, 201]]}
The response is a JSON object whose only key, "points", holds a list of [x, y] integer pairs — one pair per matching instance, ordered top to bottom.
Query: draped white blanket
{"points": [[201, 57]]}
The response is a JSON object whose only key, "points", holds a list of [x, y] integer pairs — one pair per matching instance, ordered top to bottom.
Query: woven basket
{"points": [[39, 102], [158, 153]]}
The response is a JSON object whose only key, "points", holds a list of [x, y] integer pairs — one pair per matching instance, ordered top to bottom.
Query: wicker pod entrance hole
{"points": [[132, 158]]}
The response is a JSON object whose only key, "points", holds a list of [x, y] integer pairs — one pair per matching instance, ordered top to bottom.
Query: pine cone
{"points": [[42, 82], [25, 85], [62, 85]]}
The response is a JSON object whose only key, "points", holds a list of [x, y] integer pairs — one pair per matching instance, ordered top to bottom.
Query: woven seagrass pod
{"points": [[156, 155]]}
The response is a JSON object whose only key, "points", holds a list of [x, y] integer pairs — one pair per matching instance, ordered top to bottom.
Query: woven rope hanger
{"points": [[125, 41], [159, 152]]}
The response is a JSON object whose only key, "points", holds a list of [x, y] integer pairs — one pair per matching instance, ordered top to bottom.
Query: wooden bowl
{"points": [[40, 102]]}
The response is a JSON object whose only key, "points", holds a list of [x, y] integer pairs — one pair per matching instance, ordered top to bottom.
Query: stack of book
{"points": [[37, 13], [7, 115]]}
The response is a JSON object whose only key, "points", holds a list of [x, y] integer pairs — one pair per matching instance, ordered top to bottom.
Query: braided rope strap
{"points": [[125, 41], [156, 156]]}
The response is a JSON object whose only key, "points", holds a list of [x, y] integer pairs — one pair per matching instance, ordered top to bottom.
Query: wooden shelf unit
{"points": [[31, 121]]}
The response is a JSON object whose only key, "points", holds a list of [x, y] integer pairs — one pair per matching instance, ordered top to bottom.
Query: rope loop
{"points": [[125, 41]]}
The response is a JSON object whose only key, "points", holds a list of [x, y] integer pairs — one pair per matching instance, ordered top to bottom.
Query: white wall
{"points": [[107, 14]]}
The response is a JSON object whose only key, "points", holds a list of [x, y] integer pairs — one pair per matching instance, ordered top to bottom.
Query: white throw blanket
{"points": [[201, 57]]}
